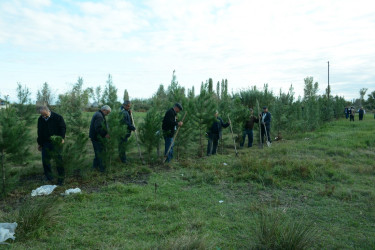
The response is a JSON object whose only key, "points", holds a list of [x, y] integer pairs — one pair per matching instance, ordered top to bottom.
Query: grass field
{"points": [[310, 191]]}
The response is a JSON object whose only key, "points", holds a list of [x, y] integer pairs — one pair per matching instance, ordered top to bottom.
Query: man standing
{"points": [[346, 111], [352, 113], [360, 113], [265, 118], [128, 121], [51, 124], [169, 126], [248, 129], [98, 133], [214, 134]]}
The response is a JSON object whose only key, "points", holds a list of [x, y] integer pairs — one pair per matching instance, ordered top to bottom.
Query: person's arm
{"points": [[128, 121], [224, 125], [62, 127], [39, 139]]}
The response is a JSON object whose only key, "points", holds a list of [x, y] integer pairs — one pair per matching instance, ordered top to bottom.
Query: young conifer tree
{"points": [[71, 106], [203, 112], [238, 114], [116, 130], [149, 132], [14, 141]]}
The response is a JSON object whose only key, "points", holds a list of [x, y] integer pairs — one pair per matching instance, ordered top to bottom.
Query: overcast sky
{"points": [[140, 43]]}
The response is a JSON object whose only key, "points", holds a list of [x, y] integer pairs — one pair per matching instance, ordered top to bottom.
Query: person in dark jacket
{"points": [[346, 111], [360, 114], [265, 119], [126, 121], [51, 124], [169, 126], [248, 129], [98, 133], [214, 134]]}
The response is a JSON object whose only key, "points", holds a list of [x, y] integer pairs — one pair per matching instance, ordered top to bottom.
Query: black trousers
{"points": [[213, 141], [49, 152]]}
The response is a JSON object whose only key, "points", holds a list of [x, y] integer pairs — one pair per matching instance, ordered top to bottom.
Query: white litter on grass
{"points": [[225, 164], [43, 190], [72, 191], [221, 201], [7, 231]]}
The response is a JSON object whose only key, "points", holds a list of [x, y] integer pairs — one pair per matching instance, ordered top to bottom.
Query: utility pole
{"points": [[328, 80]]}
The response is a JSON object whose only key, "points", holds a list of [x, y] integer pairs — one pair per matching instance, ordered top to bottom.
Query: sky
{"points": [[140, 43]]}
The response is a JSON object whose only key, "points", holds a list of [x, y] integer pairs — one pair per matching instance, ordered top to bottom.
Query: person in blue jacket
{"points": [[214, 134]]}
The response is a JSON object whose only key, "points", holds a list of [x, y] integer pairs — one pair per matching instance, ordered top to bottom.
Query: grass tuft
{"points": [[33, 218], [275, 231]]}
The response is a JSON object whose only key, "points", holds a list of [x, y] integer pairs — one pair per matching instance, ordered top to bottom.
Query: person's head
{"points": [[126, 105], [177, 107], [106, 109], [265, 109], [44, 111], [251, 111], [216, 113]]}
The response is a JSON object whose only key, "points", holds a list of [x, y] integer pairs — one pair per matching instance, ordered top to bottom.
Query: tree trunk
{"points": [[3, 169]]}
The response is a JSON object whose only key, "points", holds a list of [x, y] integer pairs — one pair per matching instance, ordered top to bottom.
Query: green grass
{"points": [[312, 190]]}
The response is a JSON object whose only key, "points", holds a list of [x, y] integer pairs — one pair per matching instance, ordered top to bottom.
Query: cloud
{"points": [[245, 41]]}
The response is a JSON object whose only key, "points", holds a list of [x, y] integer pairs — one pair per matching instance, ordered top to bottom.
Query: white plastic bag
{"points": [[43, 190], [72, 191], [7, 231]]}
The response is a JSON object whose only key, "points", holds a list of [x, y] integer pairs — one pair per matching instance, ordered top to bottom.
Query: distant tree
{"points": [[210, 86], [218, 89], [175, 92], [362, 93], [23, 94], [98, 95], [44, 96], [109, 96], [126, 96], [370, 103], [311, 106], [25, 109]]}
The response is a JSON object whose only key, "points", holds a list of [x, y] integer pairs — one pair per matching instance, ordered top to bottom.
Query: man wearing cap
{"points": [[265, 119], [125, 121], [169, 126], [248, 129], [214, 133]]}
